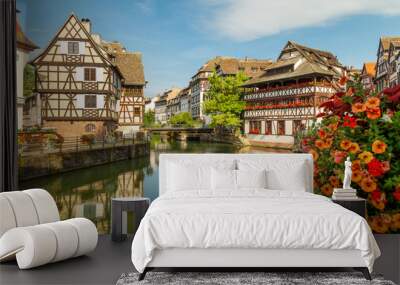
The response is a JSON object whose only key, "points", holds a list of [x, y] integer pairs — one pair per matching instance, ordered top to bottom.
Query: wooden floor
{"points": [[103, 266]]}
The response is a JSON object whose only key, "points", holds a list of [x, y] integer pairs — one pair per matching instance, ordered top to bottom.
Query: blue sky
{"points": [[176, 36]]}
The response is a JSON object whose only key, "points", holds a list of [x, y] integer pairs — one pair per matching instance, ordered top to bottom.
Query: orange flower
{"points": [[372, 103], [358, 108], [374, 114], [333, 127], [328, 142], [320, 144], [345, 144], [378, 146], [354, 148], [314, 153], [366, 156], [356, 165], [356, 176], [334, 180], [368, 184], [327, 190], [380, 201], [378, 225], [395, 225]]}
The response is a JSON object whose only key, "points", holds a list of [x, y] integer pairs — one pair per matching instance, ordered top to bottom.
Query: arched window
{"points": [[90, 128]]}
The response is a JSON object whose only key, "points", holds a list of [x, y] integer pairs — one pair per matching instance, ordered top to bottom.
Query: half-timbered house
{"points": [[393, 56], [224, 66], [368, 75], [382, 77], [78, 82], [286, 96], [184, 100], [173, 103], [131, 106]]}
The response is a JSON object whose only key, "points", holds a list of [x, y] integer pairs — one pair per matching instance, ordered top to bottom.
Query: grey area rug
{"points": [[243, 278]]}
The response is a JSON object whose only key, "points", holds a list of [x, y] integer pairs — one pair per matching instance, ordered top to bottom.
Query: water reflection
{"points": [[88, 192]]}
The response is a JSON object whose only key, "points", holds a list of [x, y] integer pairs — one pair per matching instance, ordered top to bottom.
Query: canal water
{"points": [[88, 192]]}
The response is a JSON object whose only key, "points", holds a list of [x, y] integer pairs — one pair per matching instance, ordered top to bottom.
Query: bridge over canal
{"points": [[183, 134]]}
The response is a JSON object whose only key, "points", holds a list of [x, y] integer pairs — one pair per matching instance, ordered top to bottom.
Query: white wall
{"points": [[22, 59]]}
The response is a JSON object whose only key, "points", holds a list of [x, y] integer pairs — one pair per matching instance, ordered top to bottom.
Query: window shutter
{"points": [[87, 74], [93, 74]]}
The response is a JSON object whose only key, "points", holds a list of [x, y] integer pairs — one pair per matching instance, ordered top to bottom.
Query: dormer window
{"points": [[73, 48]]}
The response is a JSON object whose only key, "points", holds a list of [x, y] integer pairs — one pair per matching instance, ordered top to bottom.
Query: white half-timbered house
{"points": [[382, 64], [368, 75], [78, 82], [286, 96], [131, 106]]}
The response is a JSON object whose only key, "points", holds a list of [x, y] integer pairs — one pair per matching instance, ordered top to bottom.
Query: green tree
{"points": [[29, 80], [224, 100], [149, 119], [183, 119]]}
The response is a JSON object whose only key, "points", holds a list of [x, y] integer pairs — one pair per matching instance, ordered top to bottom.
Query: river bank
{"points": [[39, 165], [87, 192]]}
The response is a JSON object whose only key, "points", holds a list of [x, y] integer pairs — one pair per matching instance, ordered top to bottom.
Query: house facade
{"points": [[24, 47], [393, 63], [224, 66], [383, 70], [368, 75], [78, 82], [285, 97], [184, 100], [173, 103], [167, 105], [131, 106], [160, 109]]}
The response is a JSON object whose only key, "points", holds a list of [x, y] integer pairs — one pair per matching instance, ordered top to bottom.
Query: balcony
{"points": [[289, 91]]}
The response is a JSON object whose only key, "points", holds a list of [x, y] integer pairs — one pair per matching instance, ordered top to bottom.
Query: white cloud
{"points": [[251, 19]]}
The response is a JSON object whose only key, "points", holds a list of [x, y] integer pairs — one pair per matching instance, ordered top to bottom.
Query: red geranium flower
{"points": [[349, 122], [375, 167], [376, 195], [396, 195]]}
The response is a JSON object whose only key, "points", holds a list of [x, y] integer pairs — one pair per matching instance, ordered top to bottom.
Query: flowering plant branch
{"points": [[364, 125]]}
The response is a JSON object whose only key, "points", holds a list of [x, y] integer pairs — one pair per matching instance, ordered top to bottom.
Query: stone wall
{"points": [[75, 128], [45, 164]]}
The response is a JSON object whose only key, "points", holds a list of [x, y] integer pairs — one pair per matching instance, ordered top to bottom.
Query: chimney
{"points": [[87, 24]]}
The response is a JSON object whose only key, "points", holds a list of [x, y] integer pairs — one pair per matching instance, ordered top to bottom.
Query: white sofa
{"points": [[31, 230]]}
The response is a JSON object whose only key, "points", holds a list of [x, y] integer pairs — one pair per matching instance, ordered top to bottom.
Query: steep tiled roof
{"points": [[23, 41], [385, 41], [304, 62], [129, 63], [232, 65], [131, 67], [369, 68], [304, 69], [173, 93]]}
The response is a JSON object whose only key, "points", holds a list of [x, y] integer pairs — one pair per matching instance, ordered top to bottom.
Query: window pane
{"points": [[90, 74], [90, 101]]}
